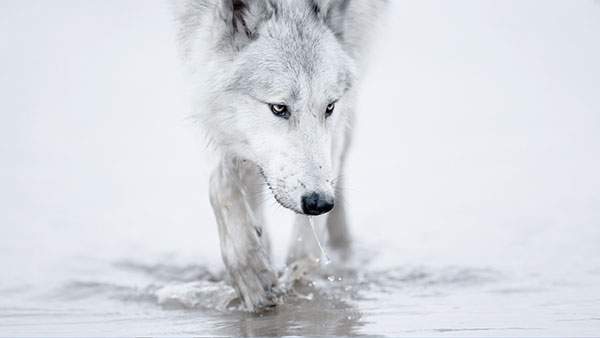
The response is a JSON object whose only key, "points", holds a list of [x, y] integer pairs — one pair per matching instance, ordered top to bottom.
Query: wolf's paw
{"points": [[258, 289]]}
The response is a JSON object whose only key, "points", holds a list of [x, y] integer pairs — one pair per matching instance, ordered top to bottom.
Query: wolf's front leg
{"points": [[244, 245]]}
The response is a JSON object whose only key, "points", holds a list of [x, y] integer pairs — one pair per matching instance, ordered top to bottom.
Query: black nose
{"points": [[316, 203]]}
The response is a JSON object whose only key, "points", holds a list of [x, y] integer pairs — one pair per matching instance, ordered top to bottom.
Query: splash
{"points": [[197, 295]]}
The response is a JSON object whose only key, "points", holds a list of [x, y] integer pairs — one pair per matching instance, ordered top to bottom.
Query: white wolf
{"points": [[275, 91]]}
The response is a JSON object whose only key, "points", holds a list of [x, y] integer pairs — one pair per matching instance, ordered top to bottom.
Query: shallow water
{"points": [[168, 297]]}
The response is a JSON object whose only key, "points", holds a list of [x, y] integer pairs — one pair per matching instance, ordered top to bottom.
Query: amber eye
{"points": [[329, 109], [280, 110]]}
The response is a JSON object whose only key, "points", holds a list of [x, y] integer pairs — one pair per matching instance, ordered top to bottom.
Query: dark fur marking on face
{"points": [[238, 7], [315, 9]]}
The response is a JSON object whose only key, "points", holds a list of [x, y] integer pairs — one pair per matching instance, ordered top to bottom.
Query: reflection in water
{"points": [[319, 316]]}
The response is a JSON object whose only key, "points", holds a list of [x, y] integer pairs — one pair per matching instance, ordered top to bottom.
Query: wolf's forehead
{"points": [[290, 66], [291, 78]]}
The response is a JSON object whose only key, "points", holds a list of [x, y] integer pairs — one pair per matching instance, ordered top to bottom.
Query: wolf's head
{"points": [[278, 78]]}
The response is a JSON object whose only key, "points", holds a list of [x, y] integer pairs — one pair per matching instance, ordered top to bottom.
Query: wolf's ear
{"points": [[333, 13], [242, 18], [351, 21]]}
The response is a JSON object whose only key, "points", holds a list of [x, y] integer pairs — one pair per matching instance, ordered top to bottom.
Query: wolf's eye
{"points": [[329, 109], [280, 110]]}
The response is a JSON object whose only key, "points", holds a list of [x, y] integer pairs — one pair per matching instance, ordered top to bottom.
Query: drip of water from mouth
{"points": [[325, 257]]}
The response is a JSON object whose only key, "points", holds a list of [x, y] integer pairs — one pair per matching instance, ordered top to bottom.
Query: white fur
{"points": [[243, 56]]}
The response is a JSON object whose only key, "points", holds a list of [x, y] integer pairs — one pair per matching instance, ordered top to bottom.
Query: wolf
{"points": [[274, 87]]}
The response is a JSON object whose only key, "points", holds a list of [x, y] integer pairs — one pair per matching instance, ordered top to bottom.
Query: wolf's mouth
{"points": [[284, 202]]}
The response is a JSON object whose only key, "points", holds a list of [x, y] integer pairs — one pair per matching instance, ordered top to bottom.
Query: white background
{"points": [[477, 142]]}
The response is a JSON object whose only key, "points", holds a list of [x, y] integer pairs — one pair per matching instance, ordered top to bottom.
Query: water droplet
{"points": [[326, 259]]}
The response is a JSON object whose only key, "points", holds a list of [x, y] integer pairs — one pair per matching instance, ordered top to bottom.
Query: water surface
{"points": [[169, 297]]}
